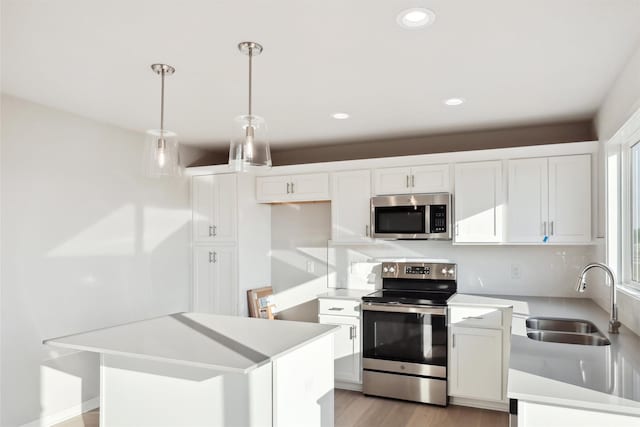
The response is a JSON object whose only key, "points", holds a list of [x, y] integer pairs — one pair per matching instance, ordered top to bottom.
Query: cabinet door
{"points": [[430, 179], [392, 181], [310, 187], [272, 188], [202, 190], [570, 198], [528, 200], [479, 202], [351, 206], [225, 208], [215, 283], [346, 347], [475, 363]]}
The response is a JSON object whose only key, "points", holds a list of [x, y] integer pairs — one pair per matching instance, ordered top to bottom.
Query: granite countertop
{"points": [[350, 294], [223, 343], [603, 378]]}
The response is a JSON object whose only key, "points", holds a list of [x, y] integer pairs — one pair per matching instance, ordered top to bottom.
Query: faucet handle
{"points": [[582, 284]]}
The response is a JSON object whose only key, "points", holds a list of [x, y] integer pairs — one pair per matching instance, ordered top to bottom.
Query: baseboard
{"points": [[343, 385], [482, 404], [74, 411]]}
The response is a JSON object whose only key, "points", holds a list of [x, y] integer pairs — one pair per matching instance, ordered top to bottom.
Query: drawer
{"points": [[338, 307], [481, 317]]}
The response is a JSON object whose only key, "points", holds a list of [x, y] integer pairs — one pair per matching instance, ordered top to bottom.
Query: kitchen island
{"points": [[196, 369]]}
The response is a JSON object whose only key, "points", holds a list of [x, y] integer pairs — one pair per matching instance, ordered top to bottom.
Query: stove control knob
{"points": [[385, 269], [392, 269], [444, 271], [451, 271]]}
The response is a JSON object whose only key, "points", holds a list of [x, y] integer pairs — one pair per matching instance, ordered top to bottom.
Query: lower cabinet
{"points": [[215, 280], [479, 344], [346, 346]]}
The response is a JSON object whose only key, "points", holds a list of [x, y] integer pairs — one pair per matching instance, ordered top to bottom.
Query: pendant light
{"points": [[161, 145], [249, 146]]}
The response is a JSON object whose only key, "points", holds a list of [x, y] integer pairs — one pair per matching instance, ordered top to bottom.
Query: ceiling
{"points": [[515, 62]]}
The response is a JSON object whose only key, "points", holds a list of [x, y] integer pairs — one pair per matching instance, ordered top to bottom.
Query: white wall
{"points": [[299, 235], [87, 242], [507, 270]]}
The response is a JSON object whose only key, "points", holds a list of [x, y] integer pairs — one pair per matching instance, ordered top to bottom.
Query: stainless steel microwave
{"points": [[412, 216]]}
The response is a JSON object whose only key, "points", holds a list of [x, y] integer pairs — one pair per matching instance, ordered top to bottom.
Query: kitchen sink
{"points": [[561, 325], [569, 338]]}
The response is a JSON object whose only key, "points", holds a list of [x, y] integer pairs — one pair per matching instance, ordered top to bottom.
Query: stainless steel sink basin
{"points": [[561, 325], [569, 338]]}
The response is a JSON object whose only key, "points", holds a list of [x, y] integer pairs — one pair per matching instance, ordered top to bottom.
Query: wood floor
{"points": [[353, 409]]}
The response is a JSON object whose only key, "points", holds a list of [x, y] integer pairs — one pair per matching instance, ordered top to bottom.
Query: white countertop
{"points": [[349, 294], [223, 343], [603, 378]]}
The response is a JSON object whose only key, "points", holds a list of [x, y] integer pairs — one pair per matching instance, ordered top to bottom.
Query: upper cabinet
{"points": [[407, 180], [292, 188], [550, 197], [214, 201], [479, 202], [350, 206]]}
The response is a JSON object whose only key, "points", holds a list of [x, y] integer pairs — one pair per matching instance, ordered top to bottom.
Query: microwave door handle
{"points": [[427, 219]]}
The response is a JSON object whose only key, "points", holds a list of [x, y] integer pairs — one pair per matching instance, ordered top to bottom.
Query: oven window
{"points": [[400, 219], [405, 337]]}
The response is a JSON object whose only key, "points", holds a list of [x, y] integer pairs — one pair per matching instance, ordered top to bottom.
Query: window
{"points": [[635, 213]]}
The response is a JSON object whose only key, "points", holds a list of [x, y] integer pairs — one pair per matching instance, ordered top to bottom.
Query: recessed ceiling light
{"points": [[417, 17], [452, 102], [340, 116]]}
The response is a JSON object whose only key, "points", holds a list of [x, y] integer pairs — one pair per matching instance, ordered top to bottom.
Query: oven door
{"points": [[405, 339]]}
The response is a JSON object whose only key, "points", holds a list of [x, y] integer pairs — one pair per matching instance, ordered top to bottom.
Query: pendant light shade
{"points": [[249, 144], [161, 145]]}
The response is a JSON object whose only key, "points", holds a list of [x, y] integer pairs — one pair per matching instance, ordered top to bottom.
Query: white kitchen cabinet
{"points": [[408, 180], [293, 188], [550, 197], [570, 199], [528, 200], [214, 202], [479, 202], [350, 206], [215, 280], [347, 342], [346, 347], [475, 368]]}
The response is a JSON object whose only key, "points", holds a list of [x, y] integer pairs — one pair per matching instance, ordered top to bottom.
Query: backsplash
{"points": [[510, 270]]}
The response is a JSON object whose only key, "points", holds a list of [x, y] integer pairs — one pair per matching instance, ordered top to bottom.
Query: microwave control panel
{"points": [[438, 218]]}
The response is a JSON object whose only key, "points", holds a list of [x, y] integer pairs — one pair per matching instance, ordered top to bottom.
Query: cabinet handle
{"points": [[413, 180], [407, 181], [288, 184], [292, 188], [544, 228], [551, 228], [210, 230], [215, 230], [366, 230], [457, 230], [210, 256], [215, 256], [336, 309], [473, 317], [352, 332], [453, 341]]}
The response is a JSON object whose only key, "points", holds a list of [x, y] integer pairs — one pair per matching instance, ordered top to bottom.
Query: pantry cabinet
{"points": [[412, 180], [292, 188], [549, 200], [214, 202], [479, 202], [351, 206], [215, 280]]}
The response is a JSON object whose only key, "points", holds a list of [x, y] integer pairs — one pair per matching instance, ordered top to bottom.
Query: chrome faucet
{"points": [[614, 324]]}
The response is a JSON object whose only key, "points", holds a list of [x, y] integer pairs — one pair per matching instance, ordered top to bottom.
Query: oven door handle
{"points": [[404, 308]]}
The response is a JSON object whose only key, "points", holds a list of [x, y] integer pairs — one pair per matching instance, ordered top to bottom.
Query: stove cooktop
{"points": [[408, 297]]}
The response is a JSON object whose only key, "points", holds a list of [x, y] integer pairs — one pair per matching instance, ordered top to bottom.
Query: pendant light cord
{"points": [[250, 78], [162, 103]]}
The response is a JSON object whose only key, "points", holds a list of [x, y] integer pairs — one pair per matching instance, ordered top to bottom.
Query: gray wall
{"points": [[299, 235]]}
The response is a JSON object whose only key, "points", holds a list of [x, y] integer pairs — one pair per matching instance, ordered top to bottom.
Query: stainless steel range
{"points": [[404, 332]]}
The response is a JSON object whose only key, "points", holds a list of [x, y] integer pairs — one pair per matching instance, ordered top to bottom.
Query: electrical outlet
{"points": [[311, 267], [516, 271]]}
